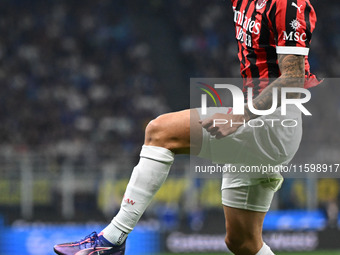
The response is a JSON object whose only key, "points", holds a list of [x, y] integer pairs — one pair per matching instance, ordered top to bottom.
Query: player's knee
{"points": [[170, 131], [156, 132]]}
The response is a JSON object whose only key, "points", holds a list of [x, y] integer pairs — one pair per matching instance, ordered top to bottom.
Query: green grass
{"points": [[279, 253]]}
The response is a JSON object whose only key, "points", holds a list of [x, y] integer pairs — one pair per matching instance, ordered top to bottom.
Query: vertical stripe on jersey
{"points": [[308, 10], [291, 14], [272, 18], [265, 33], [264, 41], [241, 48], [241, 56], [252, 57], [245, 73]]}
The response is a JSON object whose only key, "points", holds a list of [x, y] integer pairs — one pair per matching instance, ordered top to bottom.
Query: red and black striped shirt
{"points": [[266, 28]]}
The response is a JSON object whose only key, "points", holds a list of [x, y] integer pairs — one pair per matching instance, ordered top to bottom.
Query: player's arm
{"points": [[292, 69]]}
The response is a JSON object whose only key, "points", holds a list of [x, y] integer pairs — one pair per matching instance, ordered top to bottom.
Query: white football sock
{"points": [[146, 179], [265, 250]]}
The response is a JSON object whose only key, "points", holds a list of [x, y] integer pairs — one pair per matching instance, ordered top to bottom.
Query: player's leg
{"points": [[167, 135], [247, 197], [244, 209], [244, 230]]}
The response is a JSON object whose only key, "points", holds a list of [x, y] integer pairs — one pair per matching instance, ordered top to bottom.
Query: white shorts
{"points": [[273, 143], [254, 198]]}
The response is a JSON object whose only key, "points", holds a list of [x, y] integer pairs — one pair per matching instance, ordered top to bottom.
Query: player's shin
{"points": [[146, 179]]}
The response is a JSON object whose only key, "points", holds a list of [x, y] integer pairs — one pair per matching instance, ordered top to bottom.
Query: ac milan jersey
{"points": [[266, 28]]}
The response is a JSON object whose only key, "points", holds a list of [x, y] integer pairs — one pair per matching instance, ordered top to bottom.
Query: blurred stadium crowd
{"points": [[74, 75], [80, 80]]}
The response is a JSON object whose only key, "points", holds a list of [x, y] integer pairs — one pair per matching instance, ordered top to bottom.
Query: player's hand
{"points": [[221, 125]]}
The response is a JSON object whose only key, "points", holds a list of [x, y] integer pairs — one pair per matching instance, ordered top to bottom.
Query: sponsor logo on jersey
{"points": [[260, 4], [298, 7], [295, 24], [244, 25], [295, 36]]}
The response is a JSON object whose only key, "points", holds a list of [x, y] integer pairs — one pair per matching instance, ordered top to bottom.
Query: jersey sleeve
{"points": [[293, 22]]}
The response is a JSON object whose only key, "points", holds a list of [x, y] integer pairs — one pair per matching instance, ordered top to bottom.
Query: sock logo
{"points": [[129, 201], [121, 238]]}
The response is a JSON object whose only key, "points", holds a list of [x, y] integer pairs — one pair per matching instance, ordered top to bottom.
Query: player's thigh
{"points": [[180, 132]]}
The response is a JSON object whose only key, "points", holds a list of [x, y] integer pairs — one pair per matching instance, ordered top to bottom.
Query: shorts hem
{"points": [[248, 207]]}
